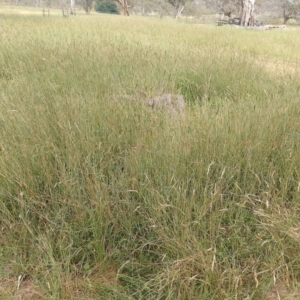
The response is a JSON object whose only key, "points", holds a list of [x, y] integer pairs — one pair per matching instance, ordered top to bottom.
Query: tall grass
{"points": [[102, 198]]}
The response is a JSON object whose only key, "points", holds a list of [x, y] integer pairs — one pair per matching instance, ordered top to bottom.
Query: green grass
{"points": [[102, 198]]}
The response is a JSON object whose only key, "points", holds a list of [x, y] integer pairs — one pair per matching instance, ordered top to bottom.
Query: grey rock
{"points": [[173, 103]]}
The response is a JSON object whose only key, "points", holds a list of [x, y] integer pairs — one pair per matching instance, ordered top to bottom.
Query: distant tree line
{"points": [[285, 9]]}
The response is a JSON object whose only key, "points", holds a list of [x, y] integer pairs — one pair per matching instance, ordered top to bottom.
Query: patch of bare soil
{"points": [[27, 290], [282, 292]]}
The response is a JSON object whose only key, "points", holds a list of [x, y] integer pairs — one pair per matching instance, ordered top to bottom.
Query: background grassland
{"points": [[102, 198]]}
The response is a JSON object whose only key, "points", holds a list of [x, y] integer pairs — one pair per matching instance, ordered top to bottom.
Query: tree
{"points": [[66, 5], [87, 5], [124, 5], [179, 6], [72, 7], [107, 7], [226, 7], [244, 8], [290, 10], [247, 16]]}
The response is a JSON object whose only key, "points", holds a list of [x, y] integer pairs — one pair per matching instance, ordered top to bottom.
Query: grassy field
{"points": [[102, 198]]}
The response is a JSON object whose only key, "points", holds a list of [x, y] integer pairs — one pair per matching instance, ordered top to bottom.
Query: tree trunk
{"points": [[124, 5], [72, 7], [125, 8], [179, 11], [247, 17], [286, 17]]}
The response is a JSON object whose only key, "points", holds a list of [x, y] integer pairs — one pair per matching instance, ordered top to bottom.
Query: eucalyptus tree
{"points": [[87, 5], [124, 5], [179, 6], [72, 7], [226, 7], [245, 9], [290, 10], [247, 15]]}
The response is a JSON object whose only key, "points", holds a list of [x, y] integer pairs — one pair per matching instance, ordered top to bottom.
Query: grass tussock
{"points": [[105, 199]]}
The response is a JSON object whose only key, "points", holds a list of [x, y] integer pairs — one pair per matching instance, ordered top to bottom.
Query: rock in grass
{"points": [[172, 103]]}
